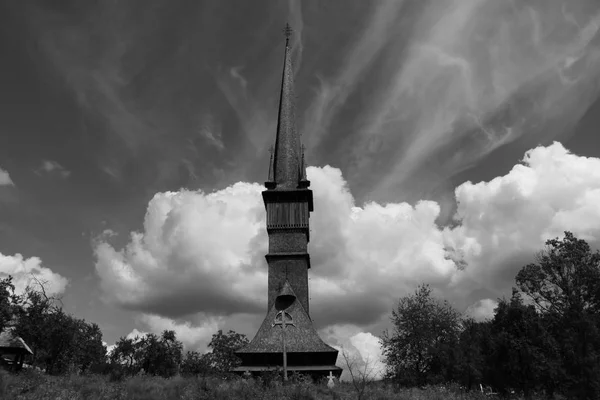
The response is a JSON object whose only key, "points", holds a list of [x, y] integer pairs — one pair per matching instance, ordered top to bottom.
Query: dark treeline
{"points": [[544, 339], [64, 344]]}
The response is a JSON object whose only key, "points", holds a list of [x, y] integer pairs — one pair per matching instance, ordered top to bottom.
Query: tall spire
{"points": [[287, 163]]}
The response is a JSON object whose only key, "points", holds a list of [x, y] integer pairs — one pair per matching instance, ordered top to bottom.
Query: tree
{"points": [[565, 278], [564, 284], [7, 299], [35, 324], [424, 328], [60, 342], [90, 350], [155, 355], [160, 355], [222, 356], [518, 356], [123, 360], [195, 363], [469, 363]]}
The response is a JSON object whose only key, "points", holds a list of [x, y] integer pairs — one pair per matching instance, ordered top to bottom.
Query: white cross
{"points": [[330, 383]]}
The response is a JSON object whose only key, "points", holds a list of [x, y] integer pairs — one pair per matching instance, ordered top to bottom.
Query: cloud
{"points": [[64, 44], [235, 73], [456, 80], [334, 92], [210, 130], [54, 168], [5, 178], [505, 221], [203, 253], [195, 254], [28, 272], [482, 309], [135, 334], [193, 337], [368, 347], [109, 348], [359, 350]]}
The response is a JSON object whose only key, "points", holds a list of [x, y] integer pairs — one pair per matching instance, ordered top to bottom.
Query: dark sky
{"points": [[105, 104]]}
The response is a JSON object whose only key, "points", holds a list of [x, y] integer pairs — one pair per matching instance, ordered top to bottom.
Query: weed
{"points": [[33, 385]]}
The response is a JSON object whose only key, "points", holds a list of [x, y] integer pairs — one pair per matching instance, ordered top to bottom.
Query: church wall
{"points": [[288, 242], [296, 275]]}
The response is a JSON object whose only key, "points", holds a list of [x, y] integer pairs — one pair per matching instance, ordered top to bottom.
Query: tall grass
{"points": [[32, 385]]}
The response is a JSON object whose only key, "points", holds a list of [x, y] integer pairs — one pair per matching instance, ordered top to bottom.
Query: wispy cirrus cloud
{"points": [[124, 71], [487, 73], [449, 82], [333, 93], [52, 168]]}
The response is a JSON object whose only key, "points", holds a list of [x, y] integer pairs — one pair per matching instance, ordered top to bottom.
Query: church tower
{"points": [[288, 203]]}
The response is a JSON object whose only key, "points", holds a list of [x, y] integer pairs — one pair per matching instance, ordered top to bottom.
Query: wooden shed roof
{"points": [[10, 341]]}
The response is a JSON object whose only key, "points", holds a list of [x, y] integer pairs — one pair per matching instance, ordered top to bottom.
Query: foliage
{"points": [[565, 279], [564, 284], [7, 299], [424, 330], [545, 338], [59, 341], [517, 351], [151, 354], [222, 356], [469, 360], [195, 363]]}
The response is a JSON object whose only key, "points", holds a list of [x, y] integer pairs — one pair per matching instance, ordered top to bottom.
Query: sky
{"points": [[446, 142]]}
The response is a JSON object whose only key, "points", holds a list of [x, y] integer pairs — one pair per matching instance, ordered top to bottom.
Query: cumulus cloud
{"points": [[53, 168], [5, 178], [504, 221], [198, 252], [203, 253], [28, 272], [482, 309], [135, 334], [193, 337], [109, 348], [358, 350]]}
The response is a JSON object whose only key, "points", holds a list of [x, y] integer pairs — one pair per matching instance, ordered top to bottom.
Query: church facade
{"points": [[288, 203]]}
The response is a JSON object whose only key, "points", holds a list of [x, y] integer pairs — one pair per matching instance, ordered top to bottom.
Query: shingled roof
{"points": [[287, 170], [300, 338], [11, 342]]}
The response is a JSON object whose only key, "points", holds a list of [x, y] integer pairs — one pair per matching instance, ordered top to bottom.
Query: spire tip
{"points": [[287, 32]]}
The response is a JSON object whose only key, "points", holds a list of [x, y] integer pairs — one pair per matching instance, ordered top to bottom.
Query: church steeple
{"points": [[286, 169], [288, 203]]}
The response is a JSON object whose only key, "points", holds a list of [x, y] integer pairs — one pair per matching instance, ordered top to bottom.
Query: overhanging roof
{"points": [[12, 342]]}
